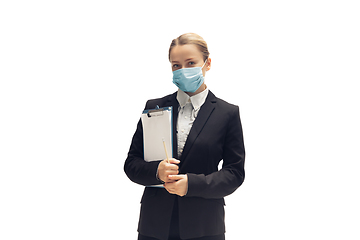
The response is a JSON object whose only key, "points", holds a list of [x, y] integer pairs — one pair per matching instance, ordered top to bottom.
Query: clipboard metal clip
{"points": [[155, 112]]}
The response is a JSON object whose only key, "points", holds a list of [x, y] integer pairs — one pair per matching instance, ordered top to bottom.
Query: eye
{"points": [[191, 63], [175, 65]]}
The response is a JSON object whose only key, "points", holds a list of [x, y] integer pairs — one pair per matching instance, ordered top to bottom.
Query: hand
{"points": [[165, 169], [179, 187]]}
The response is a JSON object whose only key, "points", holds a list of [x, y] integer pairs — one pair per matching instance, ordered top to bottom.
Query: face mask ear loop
{"points": [[204, 63]]}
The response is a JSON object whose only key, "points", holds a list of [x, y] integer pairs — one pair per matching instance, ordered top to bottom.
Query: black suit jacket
{"points": [[216, 135]]}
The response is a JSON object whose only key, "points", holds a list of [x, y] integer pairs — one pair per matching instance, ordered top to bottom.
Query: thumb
{"points": [[176, 177]]}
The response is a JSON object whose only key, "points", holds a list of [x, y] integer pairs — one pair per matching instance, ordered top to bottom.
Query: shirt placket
{"points": [[184, 126]]}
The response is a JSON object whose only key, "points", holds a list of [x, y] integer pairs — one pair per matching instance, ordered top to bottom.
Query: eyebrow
{"points": [[185, 60]]}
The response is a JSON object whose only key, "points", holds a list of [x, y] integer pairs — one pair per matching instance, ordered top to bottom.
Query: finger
{"points": [[173, 161], [171, 167], [171, 172], [168, 180], [169, 187]]}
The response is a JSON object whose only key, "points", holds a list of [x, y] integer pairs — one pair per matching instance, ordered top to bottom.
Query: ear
{"points": [[208, 64]]}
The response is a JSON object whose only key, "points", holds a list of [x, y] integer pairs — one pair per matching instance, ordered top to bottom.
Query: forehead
{"points": [[183, 52]]}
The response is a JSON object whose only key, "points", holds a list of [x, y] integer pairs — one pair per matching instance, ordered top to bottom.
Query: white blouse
{"points": [[188, 110]]}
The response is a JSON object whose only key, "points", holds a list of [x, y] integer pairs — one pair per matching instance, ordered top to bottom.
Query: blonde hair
{"points": [[191, 38]]}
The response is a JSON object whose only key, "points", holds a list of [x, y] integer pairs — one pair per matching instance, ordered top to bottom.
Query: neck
{"points": [[199, 90]]}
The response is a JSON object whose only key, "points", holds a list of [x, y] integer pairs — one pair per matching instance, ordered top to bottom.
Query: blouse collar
{"points": [[196, 100]]}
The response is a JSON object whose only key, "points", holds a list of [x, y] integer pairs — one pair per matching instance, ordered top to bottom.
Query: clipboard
{"points": [[157, 127]]}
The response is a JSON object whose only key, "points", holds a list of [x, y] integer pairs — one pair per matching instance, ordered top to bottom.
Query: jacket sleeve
{"points": [[135, 167], [224, 182]]}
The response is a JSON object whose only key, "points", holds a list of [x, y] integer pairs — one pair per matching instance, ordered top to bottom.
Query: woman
{"points": [[206, 131]]}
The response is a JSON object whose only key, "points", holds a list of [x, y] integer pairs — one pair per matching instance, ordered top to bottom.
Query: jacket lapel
{"points": [[171, 101], [205, 112]]}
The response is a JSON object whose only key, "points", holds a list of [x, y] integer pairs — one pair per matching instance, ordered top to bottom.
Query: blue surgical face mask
{"points": [[189, 79]]}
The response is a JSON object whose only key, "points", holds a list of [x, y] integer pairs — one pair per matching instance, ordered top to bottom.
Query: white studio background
{"points": [[75, 76]]}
